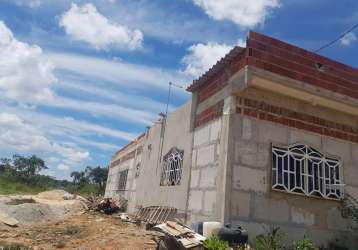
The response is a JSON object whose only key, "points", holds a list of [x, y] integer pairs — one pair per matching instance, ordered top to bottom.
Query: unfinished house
{"points": [[269, 138]]}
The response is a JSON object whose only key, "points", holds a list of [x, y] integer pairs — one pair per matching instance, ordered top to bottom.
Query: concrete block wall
{"points": [[204, 172], [113, 181], [256, 207]]}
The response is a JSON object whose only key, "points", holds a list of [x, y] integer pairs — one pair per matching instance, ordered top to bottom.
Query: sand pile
{"points": [[47, 206]]}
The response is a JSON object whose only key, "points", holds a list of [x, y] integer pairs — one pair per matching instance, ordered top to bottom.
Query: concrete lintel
{"points": [[302, 91]]}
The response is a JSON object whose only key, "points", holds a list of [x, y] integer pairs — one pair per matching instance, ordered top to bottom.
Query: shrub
{"points": [[271, 241], [214, 243], [304, 244]]}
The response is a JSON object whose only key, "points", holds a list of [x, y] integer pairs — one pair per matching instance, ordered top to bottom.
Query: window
{"points": [[172, 167], [304, 170], [122, 180]]}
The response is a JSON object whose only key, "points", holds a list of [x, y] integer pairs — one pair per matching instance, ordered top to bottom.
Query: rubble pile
{"points": [[106, 205]]}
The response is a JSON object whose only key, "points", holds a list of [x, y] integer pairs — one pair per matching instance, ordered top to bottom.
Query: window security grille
{"points": [[172, 168], [304, 170], [122, 180]]}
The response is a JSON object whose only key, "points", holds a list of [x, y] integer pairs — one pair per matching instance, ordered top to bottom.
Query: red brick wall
{"points": [[287, 60], [220, 80], [264, 111], [209, 114], [127, 156]]}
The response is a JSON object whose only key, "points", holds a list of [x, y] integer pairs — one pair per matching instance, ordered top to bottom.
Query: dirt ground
{"points": [[82, 231]]}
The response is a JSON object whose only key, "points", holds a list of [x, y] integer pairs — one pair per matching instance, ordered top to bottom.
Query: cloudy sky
{"points": [[79, 79]]}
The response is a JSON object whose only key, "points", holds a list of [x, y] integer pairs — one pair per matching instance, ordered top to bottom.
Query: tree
{"points": [[5, 164], [28, 166], [98, 175], [78, 177]]}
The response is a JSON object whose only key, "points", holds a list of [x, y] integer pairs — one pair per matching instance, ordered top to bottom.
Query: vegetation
{"points": [[23, 175], [274, 240], [214, 243], [304, 244], [12, 246]]}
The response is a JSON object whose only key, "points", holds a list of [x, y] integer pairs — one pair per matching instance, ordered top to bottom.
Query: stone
{"points": [[215, 130], [201, 135], [304, 137], [205, 155], [208, 177], [194, 179], [249, 179], [195, 200], [209, 201], [240, 204], [270, 209], [301, 216], [8, 220]]}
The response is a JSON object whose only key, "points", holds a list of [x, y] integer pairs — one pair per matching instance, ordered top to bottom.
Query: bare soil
{"points": [[81, 231]]}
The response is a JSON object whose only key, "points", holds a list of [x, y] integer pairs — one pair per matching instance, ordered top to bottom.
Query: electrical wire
{"points": [[337, 39]]}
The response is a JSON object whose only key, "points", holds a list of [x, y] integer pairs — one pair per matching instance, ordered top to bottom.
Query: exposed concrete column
{"points": [[226, 158]]}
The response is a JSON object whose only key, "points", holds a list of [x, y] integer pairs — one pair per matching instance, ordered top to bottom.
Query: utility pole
{"points": [[164, 121]]}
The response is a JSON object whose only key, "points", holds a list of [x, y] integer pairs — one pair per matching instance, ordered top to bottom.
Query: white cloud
{"points": [[29, 3], [246, 13], [87, 24], [348, 39], [202, 57], [25, 74], [134, 76], [86, 88], [117, 112], [67, 126], [25, 137], [63, 167]]}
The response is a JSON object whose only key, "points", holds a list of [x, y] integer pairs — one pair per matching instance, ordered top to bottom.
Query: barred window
{"points": [[172, 168], [304, 170], [122, 180]]}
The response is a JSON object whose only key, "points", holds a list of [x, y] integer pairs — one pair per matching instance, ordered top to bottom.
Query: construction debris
{"points": [[106, 205], [154, 215], [7, 220], [184, 237]]}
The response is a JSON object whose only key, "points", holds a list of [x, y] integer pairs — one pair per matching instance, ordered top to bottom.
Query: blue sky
{"points": [[79, 79]]}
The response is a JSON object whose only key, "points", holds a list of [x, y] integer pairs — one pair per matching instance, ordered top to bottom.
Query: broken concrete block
{"points": [[7, 220]]}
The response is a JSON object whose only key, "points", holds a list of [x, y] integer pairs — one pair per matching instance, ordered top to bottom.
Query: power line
{"points": [[337, 39]]}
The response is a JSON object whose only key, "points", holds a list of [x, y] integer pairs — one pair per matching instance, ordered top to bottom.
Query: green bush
{"points": [[271, 241], [214, 243], [304, 244]]}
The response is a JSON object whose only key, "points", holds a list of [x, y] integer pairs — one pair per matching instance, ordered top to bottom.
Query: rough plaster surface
{"points": [[201, 136], [298, 136], [205, 155], [208, 177], [249, 179], [194, 180], [195, 200], [209, 201], [240, 204], [272, 210], [302, 216]]}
